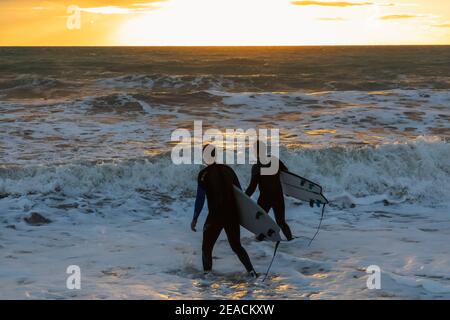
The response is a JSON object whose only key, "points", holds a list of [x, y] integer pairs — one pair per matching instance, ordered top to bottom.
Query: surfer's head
{"points": [[261, 151], [209, 154], [269, 163]]}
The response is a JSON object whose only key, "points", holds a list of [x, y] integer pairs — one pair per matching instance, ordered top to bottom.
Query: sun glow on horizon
{"points": [[214, 22], [227, 22], [269, 22]]}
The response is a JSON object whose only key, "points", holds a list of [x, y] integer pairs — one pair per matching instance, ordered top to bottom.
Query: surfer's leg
{"points": [[264, 204], [279, 211], [211, 232], [233, 232]]}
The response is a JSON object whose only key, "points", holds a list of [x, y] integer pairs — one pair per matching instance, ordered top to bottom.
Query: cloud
{"points": [[118, 3], [147, 3], [331, 4], [90, 6], [135, 7], [107, 10], [399, 17], [331, 19], [442, 25]]}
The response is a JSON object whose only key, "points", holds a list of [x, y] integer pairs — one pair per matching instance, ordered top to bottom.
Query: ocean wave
{"points": [[255, 80], [164, 81], [30, 82], [115, 102], [153, 103], [413, 171], [416, 172]]}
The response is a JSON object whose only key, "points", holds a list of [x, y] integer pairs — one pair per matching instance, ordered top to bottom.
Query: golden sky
{"points": [[224, 22]]}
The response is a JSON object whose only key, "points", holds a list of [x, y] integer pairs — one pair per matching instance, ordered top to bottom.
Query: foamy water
{"points": [[86, 143]]}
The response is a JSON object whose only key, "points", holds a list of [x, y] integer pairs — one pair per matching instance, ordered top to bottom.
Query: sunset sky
{"points": [[224, 22]]}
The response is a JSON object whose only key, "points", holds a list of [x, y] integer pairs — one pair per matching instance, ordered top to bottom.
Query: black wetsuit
{"points": [[216, 182], [271, 194]]}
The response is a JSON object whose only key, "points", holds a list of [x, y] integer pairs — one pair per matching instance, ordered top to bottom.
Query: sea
{"points": [[86, 142]]}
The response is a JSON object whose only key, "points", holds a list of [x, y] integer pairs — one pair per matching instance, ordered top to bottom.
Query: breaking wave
{"points": [[31, 82], [413, 172]]}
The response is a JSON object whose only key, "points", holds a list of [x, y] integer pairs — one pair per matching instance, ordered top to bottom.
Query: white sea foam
{"points": [[129, 124], [85, 136], [417, 171], [126, 224]]}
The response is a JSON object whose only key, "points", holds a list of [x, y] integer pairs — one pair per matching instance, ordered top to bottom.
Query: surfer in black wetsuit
{"points": [[215, 182], [271, 192]]}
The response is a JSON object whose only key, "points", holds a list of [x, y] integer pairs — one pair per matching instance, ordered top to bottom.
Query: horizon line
{"points": [[224, 46]]}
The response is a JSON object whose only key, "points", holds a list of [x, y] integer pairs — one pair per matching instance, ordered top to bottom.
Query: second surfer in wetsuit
{"points": [[215, 183], [271, 192]]}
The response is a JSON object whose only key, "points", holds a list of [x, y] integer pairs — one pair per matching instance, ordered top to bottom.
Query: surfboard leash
{"points": [[320, 224], [278, 242], [271, 262]]}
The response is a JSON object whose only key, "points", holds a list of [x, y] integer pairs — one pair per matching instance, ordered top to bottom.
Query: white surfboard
{"points": [[302, 189], [254, 218]]}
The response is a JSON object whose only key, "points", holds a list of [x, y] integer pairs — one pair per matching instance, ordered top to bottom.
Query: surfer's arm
{"points": [[283, 167], [236, 182], [253, 183], [199, 202]]}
